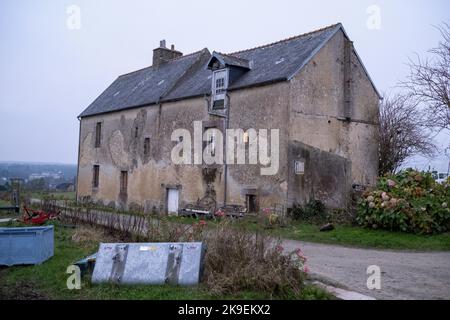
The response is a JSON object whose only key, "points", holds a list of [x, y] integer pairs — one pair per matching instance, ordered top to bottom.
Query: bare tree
{"points": [[429, 83], [401, 133]]}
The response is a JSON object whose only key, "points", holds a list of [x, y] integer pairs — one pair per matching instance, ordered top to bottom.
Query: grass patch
{"points": [[70, 195], [4, 203], [343, 234], [346, 235], [362, 237], [48, 280]]}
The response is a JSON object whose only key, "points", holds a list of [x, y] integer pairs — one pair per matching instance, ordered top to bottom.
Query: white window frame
{"points": [[217, 75], [299, 167]]}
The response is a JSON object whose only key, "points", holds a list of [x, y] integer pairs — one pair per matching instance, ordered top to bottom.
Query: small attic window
{"points": [[220, 85], [219, 88], [299, 167]]}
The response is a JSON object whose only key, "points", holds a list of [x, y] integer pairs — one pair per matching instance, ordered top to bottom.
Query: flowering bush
{"points": [[409, 201], [219, 214], [269, 218], [300, 260]]}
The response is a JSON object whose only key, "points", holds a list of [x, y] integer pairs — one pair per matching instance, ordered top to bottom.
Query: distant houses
{"points": [[46, 175]]}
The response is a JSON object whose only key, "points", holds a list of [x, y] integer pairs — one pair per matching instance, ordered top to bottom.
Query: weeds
{"points": [[314, 211], [84, 236], [235, 261], [238, 261]]}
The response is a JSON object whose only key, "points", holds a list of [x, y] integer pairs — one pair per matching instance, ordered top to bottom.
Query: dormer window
{"points": [[226, 69], [220, 85], [219, 88]]}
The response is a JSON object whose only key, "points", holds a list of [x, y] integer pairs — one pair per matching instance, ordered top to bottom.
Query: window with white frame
{"points": [[220, 85], [219, 88], [299, 167]]}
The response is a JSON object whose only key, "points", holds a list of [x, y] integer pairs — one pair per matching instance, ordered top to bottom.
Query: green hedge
{"points": [[409, 201]]}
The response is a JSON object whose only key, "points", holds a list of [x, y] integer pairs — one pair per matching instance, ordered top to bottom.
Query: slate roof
{"points": [[230, 60], [188, 76], [145, 86]]}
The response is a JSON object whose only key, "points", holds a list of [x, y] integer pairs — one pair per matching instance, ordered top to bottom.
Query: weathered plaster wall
{"points": [[264, 108], [317, 109], [363, 133], [120, 150], [149, 176], [326, 176]]}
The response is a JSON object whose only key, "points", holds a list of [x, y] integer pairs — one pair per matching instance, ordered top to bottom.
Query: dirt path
{"points": [[404, 274]]}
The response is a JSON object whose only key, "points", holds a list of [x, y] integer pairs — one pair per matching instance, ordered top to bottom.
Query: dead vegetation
{"points": [[85, 235], [235, 261], [238, 261]]}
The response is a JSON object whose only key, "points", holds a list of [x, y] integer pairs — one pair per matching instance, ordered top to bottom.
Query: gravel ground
{"points": [[404, 274]]}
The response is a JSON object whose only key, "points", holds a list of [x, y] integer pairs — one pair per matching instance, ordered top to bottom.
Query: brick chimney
{"points": [[162, 54]]}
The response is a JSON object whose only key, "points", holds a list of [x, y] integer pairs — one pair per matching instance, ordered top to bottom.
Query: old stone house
{"points": [[312, 87]]}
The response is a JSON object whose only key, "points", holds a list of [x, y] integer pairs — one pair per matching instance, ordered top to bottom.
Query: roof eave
{"points": [[219, 56], [258, 84], [148, 104]]}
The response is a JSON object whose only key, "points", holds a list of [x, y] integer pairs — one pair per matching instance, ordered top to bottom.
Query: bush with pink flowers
{"points": [[409, 201]]}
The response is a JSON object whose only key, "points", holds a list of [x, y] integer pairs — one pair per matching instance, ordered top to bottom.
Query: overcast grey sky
{"points": [[50, 73]]}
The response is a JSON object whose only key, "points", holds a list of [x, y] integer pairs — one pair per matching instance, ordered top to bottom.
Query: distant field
{"points": [[56, 195]]}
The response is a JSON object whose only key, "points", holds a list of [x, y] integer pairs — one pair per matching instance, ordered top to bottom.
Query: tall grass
{"points": [[235, 261]]}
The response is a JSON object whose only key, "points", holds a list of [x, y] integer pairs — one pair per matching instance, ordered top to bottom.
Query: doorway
{"points": [[172, 201], [251, 203]]}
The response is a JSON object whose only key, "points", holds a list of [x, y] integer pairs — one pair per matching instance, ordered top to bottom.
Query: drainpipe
{"points": [[78, 164], [225, 169]]}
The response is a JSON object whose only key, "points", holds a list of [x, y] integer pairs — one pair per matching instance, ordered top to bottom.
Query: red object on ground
{"points": [[37, 217]]}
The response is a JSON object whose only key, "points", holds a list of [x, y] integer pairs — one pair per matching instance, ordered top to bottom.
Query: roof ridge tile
{"points": [[287, 39]]}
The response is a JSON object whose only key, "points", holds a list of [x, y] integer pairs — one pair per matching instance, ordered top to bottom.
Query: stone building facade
{"points": [[313, 88]]}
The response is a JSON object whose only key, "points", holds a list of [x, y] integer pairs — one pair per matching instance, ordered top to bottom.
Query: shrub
{"points": [[409, 201], [314, 211], [269, 218], [240, 261]]}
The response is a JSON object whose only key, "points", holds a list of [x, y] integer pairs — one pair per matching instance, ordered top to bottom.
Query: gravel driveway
{"points": [[404, 274]]}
